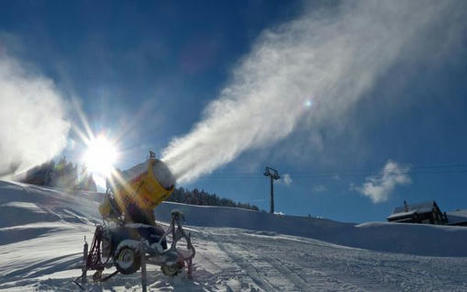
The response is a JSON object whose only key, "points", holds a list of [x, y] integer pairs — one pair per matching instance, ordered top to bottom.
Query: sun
{"points": [[100, 156]]}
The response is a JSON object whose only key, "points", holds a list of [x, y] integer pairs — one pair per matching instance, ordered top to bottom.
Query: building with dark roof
{"points": [[426, 213]]}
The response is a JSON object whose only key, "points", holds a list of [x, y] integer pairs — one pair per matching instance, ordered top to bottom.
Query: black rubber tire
{"points": [[130, 255], [171, 270]]}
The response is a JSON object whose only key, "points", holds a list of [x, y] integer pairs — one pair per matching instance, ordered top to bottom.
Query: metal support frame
{"points": [[92, 257], [144, 280]]}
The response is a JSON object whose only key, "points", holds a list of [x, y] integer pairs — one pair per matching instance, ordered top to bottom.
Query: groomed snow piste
{"points": [[42, 230]]}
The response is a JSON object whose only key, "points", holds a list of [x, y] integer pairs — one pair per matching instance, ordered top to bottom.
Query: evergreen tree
{"points": [[62, 174]]}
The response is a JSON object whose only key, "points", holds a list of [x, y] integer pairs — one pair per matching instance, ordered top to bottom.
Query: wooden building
{"points": [[425, 213]]}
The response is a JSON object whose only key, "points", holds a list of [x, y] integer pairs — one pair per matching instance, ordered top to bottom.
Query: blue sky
{"points": [[154, 67]]}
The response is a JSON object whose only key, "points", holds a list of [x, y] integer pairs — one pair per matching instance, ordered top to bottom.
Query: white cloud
{"points": [[328, 57], [32, 124], [287, 179], [378, 188], [319, 189]]}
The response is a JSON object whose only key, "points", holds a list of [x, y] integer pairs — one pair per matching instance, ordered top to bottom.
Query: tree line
{"points": [[62, 174], [200, 197]]}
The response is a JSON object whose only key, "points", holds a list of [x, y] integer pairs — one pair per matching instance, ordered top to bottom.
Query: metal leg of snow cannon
{"points": [[178, 233], [85, 257], [188, 259], [92, 260], [143, 266], [190, 268], [84, 269], [108, 276]]}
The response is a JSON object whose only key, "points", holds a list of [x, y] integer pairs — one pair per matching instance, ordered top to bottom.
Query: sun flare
{"points": [[100, 156]]}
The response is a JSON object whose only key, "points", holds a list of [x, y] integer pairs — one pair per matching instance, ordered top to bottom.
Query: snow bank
{"points": [[210, 216], [418, 239]]}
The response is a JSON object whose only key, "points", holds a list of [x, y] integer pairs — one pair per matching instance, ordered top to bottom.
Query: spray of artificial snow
{"points": [[320, 64], [32, 125]]}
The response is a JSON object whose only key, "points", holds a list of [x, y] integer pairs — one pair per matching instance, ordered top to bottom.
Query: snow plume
{"points": [[318, 65], [32, 125], [378, 188]]}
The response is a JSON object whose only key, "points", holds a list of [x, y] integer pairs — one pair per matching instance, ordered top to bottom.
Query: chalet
{"points": [[426, 213]]}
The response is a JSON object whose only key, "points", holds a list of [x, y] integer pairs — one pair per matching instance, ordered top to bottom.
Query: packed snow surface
{"points": [[42, 230]]}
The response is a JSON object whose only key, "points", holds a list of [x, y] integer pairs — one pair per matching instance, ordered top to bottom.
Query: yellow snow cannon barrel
{"points": [[146, 184]]}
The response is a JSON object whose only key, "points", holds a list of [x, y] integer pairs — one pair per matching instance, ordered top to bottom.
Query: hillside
{"points": [[41, 236]]}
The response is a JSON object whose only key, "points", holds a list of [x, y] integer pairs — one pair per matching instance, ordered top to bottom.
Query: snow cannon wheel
{"points": [[127, 260], [171, 270]]}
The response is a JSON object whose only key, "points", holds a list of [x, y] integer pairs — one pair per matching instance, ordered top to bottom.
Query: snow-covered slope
{"points": [[41, 236], [420, 239]]}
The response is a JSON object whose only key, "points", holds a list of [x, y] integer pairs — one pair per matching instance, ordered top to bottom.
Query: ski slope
{"points": [[41, 240]]}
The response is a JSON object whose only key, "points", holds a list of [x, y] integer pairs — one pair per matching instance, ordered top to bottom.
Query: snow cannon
{"points": [[142, 187], [129, 238]]}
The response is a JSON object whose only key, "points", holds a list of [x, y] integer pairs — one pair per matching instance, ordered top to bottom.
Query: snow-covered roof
{"points": [[424, 207], [401, 214], [456, 217]]}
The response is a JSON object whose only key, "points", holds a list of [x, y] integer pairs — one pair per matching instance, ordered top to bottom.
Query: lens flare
{"points": [[100, 156]]}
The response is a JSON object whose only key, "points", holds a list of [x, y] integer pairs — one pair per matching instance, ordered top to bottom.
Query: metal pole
{"points": [[273, 175], [272, 194], [85, 260], [143, 267]]}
